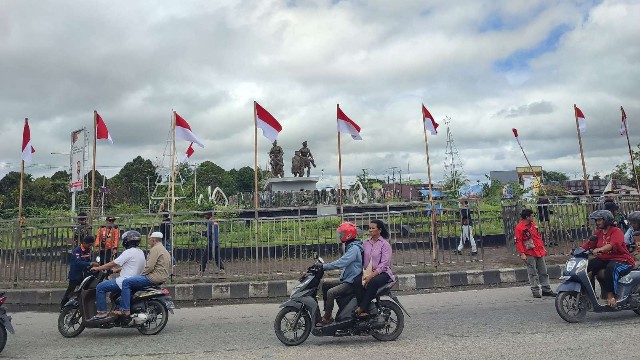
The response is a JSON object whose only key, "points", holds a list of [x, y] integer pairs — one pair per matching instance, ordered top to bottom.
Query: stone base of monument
{"points": [[291, 184]]}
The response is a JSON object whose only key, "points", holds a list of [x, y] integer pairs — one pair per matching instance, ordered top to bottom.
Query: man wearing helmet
{"points": [[634, 225], [610, 252], [130, 263], [351, 275]]}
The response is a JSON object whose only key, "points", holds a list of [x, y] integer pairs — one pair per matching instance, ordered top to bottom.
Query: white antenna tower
{"points": [[452, 164], [162, 190]]}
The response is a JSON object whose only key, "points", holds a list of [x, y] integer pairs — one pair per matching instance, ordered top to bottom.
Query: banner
{"points": [[78, 150]]}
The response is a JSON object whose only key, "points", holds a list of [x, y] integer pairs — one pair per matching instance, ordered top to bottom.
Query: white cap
{"points": [[156, 234]]}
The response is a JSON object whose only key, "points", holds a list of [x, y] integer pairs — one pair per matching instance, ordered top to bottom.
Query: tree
{"points": [[210, 174], [549, 176], [453, 182], [130, 184]]}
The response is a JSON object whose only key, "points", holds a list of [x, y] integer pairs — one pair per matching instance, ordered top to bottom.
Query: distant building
{"points": [[504, 177], [596, 187], [409, 192]]}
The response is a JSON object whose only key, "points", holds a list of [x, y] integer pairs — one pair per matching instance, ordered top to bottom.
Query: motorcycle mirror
{"points": [[97, 258], [320, 260]]}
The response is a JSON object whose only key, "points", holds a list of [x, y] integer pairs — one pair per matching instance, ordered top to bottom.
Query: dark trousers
{"points": [[212, 252], [105, 255], [613, 271], [333, 289], [370, 290], [67, 294]]}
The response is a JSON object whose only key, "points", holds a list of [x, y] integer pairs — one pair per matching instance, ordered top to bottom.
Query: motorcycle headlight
{"points": [[570, 265], [582, 265]]}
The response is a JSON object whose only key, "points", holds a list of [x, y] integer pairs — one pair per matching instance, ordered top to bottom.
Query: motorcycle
{"points": [[577, 295], [150, 309], [301, 313], [5, 322]]}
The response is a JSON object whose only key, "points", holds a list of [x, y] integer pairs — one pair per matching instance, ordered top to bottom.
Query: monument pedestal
{"points": [[291, 184]]}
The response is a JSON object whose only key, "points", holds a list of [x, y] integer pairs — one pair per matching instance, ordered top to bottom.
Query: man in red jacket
{"points": [[531, 249], [610, 253]]}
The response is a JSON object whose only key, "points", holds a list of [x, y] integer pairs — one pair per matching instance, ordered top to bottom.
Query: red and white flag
{"points": [[265, 121], [429, 123], [582, 124], [346, 125], [623, 126], [101, 130], [183, 131], [515, 133], [27, 148], [188, 153]]}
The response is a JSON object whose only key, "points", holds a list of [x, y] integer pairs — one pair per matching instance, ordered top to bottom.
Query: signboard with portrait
{"points": [[78, 151]]}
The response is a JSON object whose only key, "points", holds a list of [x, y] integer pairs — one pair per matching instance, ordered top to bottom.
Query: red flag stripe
{"points": [[579, 113], [265, 116], [343, 117], [182, 122]]}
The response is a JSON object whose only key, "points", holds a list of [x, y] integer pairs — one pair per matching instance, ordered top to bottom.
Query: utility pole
{"points": [[393, 177], [401, 192]]}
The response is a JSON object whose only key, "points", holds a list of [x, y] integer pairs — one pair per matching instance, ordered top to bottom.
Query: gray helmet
{"points": [[605, 215], [634, 217], [131, 239]]}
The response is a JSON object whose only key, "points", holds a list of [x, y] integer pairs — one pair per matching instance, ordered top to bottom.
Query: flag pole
{"points": [[173, 163], [633, 166], [584, 168], [93, 169], [340, 173], [255, 178], [544, 192], [18, 233], [434, 248]]}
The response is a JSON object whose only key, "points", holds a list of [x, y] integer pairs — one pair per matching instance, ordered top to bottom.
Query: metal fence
{"points": [[277, 248]]}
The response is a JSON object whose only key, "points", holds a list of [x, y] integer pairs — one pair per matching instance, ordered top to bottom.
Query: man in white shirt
{"points": [[131, 263]]}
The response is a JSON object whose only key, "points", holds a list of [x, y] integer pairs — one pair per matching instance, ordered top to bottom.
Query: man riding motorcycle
{"points": [[611, 253], [131, 263], [351, 276]]}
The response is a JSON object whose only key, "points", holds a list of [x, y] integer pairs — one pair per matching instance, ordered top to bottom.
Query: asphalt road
{"points": [[499, 323]]}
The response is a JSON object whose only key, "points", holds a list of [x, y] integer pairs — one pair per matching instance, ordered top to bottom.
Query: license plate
{"points": [[171, 305]]}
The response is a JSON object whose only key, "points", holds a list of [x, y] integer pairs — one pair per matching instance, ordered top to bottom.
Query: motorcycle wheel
{"points": [[568, 308], [158, 318], [394, 321], [70, 322], [284, 326], [3, 337]]}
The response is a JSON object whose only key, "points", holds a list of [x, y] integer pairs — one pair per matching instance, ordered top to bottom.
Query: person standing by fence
{"points": [[467, 228], [165, 229], [81, 230], [107, 240], [213, 244], [531, 249], [79, 266]]}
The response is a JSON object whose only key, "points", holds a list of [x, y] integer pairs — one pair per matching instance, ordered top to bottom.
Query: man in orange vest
{"points": [[107, 239]]}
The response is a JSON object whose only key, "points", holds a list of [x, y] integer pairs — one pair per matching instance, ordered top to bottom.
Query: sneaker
{"points": [[458, 252], [474, 253], [549, 293], [536, 294]]}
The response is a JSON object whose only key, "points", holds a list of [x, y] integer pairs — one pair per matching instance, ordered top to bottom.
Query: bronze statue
{"points": [[307, 158], [277, 163], [297, 165]]}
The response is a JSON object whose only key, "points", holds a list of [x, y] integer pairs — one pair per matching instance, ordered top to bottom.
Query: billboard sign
{"points": [[78, 150]]}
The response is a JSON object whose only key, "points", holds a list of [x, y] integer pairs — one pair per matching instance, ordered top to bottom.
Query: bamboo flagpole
{"points": [[578, 114], [426, 116], [626, 132], [515, 133], [27, 150], [173, 164], [93, 165], [340, 173], [255, 178]]}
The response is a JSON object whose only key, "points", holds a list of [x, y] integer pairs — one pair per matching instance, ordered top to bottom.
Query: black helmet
{"points": [[605, 215], [634, 217], [131, 239]]}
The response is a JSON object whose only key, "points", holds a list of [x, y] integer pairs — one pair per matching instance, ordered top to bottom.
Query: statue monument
{"points": [[307, 158], [277, 163], [297, 165]]}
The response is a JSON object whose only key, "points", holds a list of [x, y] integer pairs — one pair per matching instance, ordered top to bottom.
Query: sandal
{"points": [[120, 313], [99, 317], [324, 321]]}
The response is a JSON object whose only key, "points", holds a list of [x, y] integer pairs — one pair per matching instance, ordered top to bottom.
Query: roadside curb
{"points": [[282, 288]]}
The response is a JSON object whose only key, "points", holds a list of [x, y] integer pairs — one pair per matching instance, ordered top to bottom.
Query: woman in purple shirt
{"points": [[377, 251]]}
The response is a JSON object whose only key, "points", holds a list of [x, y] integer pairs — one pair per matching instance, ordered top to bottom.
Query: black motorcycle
{"points": [[150, 309], [301, 312], [5, 322]]}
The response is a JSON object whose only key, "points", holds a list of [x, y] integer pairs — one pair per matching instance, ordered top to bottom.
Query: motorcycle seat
{"points": [[384, 288]]}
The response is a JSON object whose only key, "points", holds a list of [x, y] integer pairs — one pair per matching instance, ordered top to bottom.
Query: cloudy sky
{"points": [[488, 65]]}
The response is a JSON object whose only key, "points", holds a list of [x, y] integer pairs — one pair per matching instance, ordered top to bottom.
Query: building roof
{"points": [[505, 176]]}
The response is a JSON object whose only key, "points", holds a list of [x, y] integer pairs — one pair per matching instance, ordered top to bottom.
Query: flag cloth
{"points": [[265, 121], [429, 123], [582, 124], [346, 125], [623, 126], [101, 130], [183, 131], [515, 133], [27, 148], [188, 153], [609, 187]]}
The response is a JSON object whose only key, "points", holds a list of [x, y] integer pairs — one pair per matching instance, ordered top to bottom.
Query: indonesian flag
{"points": [[265, 121], [429, 123], [582, 124], [346, 125], [623, 126], [101, 130], [183, 131], [515, 133], [27, 148], [188, 154]]}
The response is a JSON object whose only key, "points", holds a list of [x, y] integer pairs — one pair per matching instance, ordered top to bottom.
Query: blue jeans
{"points": [[134, 282], [102, 289]]}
